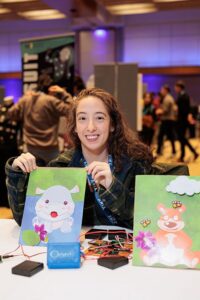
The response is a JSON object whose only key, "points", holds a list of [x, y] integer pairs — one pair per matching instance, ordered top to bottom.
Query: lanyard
{"points": [[112, 220]]}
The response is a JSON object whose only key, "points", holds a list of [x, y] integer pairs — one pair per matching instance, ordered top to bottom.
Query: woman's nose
{"points": [[91, 125]]}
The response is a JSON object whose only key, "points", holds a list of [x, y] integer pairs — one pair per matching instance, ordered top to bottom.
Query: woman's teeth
{"points": [[91, 137]]}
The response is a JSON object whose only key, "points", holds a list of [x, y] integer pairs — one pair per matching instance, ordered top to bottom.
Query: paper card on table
{"points": [[54, 206], [166, 221]]}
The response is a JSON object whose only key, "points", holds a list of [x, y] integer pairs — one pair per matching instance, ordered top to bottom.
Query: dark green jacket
{"points": [[119, 198]]}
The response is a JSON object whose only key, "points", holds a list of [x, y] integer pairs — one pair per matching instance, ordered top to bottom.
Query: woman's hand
{"points": [[26, 162], [101, 173]]}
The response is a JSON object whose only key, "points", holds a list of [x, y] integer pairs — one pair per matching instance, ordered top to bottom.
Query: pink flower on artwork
{"points": [[41, 231], [145, 240]]}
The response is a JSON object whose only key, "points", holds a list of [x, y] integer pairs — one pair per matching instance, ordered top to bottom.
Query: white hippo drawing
{"points": [[55, 208]]}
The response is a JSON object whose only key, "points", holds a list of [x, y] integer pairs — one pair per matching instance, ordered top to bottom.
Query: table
{"points": [[91, 282]]}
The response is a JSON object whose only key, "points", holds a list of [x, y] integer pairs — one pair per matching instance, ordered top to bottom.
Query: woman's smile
{"points": [[92, 137]]}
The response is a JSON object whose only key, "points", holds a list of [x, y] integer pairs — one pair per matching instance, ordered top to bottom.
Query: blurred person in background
{"points": [[78, 85], [157, 99], [183, 104], [167, 113], [40, 114], [148, 120], [192, 120], [9, 133]]}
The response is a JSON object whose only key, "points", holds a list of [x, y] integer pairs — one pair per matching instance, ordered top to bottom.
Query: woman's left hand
{"points": [[101, 173]]}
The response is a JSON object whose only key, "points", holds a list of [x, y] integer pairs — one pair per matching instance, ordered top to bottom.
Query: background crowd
{"points": [[169, 118]]}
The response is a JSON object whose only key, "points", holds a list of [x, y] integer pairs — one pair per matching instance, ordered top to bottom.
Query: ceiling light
{"points": [[14, 1], [160, 1], [126, 9], [4, 10], [45, 14], [48, 17], [100, 32]]}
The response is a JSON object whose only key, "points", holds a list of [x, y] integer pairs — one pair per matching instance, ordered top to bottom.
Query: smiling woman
{"points": [[107, 148]]}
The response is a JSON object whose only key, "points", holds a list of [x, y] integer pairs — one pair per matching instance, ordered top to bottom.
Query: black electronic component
{"points": [[95, 234], [112, 234], [2, 257], [112, 262], [27, 268]]}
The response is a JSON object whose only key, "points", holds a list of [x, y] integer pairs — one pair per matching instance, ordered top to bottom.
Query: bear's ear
{"points": [[74, 190], [39, 191], [161, 208], [182, 208]]}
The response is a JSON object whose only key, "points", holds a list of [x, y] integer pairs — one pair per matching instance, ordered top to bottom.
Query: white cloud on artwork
{"points": [[184, 185]]}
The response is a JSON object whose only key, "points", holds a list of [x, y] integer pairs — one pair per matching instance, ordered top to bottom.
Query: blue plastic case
{"points": [[63, 255]]}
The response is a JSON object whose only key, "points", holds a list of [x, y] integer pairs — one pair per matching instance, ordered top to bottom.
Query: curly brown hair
{"points": [[122, 140]]}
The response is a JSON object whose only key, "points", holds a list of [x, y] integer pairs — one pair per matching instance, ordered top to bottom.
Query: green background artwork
{"points": [[43, 178], [150, 191], [53, 222]]}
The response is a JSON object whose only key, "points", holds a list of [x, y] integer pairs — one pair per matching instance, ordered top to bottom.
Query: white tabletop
{"points": [[91, 281]]}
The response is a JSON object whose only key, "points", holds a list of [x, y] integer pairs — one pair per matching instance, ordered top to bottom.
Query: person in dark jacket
{"points": [[183, 104], [148, 120], [9, 133], [109, 151]]}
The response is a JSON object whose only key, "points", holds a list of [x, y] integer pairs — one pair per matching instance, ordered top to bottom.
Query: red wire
{"points": [[12, 251], [23, 253], [29, 256]]}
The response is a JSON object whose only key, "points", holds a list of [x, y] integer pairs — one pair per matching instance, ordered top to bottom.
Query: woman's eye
{"points": [[81, 118], [100, 118], [47, 201], [65, 202]]}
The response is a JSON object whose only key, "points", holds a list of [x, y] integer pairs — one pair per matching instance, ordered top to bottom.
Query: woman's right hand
{"points": [[26, 162]]}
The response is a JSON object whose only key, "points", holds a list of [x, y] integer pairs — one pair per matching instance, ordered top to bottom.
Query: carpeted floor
{"points": [[194, 166]]}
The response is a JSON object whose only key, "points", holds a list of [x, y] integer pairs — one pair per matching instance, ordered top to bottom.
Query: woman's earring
{"points": [[112, 129]]}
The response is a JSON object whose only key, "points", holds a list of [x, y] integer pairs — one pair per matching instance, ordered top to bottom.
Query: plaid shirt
{"points": [[119, 198]]}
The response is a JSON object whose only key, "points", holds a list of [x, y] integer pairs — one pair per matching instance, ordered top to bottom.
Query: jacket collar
{"points": [[76, 158], [126, 163]]}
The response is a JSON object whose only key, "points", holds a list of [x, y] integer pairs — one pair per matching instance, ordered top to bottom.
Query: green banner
{"points": [[48, 61]]}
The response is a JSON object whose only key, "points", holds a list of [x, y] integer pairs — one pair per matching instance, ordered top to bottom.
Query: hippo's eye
{"points": [[47, 201], [65, 202], [165, 217], [176, 218]]}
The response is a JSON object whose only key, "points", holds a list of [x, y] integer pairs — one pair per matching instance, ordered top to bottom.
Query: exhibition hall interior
{"points": [[152, 45], [99, 149]]}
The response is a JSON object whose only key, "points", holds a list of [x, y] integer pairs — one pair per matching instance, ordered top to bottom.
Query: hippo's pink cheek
{"points": [[41, 206]]}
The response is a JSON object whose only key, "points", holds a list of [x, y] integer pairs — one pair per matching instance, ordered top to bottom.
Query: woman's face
{"points": [[64, 54], [147, 99], [93, 125]]}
